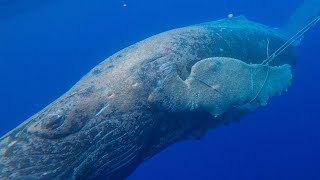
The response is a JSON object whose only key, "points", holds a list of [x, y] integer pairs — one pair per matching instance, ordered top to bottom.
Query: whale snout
{"points": [[219, 85]]}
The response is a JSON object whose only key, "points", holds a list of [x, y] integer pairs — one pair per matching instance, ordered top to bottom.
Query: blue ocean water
{"points": [[46, 47]]}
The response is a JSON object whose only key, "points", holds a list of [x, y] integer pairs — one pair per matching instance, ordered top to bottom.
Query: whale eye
{"points": [[54, 121]]}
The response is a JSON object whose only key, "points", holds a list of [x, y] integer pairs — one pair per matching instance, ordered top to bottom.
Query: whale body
{"points": [[170, 87]]}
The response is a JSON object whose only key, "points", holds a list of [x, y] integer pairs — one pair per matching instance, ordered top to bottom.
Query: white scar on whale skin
{"points": [[101, 111], [12, 143], [3, 150]]}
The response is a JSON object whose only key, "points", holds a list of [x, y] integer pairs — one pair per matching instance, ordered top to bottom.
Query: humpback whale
{"points": [[167, 88]]}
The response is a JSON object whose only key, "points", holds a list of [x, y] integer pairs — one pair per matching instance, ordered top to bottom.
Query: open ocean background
{"points": [[47, 46]]}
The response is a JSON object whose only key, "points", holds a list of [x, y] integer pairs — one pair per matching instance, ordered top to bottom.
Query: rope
{"points": [[294, 38]]}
